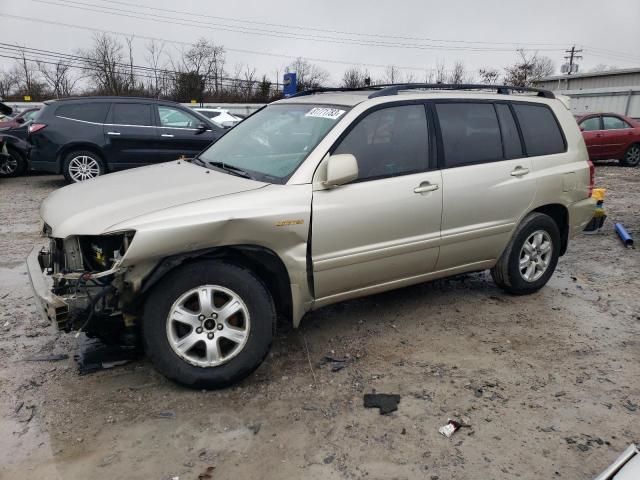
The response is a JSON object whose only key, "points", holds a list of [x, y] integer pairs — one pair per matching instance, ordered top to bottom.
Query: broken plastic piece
{"points": [[624, 235], [386, 402], [450, 428]]}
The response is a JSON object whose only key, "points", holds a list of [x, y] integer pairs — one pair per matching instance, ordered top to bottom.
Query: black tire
{"points": [[92, 156], [631, 156], [15, 166], [208, 272], [506, 273]]}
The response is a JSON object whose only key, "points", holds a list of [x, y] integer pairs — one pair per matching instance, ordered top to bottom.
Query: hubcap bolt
{"points": [[214, 315], [201, 317], [219, 326], [199, 330], [210, 336]]}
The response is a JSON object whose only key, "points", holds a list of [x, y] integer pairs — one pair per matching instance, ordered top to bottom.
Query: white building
{"points": [[615, 91]]}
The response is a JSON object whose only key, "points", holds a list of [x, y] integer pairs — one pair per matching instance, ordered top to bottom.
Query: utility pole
{"points": [[571, 57]]}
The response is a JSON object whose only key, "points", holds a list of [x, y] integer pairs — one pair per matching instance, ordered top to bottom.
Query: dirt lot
{"points": [[550, 382]]}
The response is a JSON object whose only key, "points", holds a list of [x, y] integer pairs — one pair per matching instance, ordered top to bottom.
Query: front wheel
{"points": [[632, 156], [12, 164], [82, 165], [531, 257], [208, 324]]}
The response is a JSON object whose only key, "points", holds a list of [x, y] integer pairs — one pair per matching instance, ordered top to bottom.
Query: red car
{"points": [[24, 116], [611, 136]]}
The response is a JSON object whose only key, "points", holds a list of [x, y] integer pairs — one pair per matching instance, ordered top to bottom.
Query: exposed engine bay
{"points": [[87, 282]]}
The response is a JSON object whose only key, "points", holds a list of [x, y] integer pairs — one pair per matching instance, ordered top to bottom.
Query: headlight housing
{"points": [[101, 252]]}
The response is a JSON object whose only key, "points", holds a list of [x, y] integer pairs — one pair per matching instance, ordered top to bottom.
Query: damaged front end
{"points": [[78, 282]]}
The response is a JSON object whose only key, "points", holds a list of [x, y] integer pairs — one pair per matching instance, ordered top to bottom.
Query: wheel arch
{"points": [[88, 146], [560, 215], [263, 262]]}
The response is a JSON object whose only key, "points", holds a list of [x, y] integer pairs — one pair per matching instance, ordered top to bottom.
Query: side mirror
{"points": [[20, 120], [201, 128], [582, 129], [341, 169]]}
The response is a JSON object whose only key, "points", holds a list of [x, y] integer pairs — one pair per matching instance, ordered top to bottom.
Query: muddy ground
{"points": [[550, 383]]}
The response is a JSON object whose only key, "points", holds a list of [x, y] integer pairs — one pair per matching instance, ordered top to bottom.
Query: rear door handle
{"points": [[113, 133], [168, 135], [519, 172], [425, 187]]}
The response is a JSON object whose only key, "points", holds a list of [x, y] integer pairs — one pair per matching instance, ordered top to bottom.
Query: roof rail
{"points": [[393, 89], [311, 91]]}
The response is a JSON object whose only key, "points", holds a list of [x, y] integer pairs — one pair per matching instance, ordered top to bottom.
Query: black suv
{"points": [[88, 136]]}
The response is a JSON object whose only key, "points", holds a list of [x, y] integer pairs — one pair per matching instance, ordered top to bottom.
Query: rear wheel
{"points": [[632, 156], [12, 164], [82, 165], [531, 256], [208, 324]]}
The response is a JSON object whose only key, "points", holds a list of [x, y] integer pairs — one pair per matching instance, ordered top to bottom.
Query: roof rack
{"points": [[393, 89]]}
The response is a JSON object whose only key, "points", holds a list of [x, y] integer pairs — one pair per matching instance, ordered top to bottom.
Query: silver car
{"points": [[315, 199]]}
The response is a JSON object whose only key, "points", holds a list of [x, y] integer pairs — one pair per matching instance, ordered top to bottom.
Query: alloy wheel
{"points": [[633, 155], [8, 164], [83, 168], [535, 256], [208, 325]]}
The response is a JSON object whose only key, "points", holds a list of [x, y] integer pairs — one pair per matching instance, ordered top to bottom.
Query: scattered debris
{"points": [[624, 235], [94, 355], [47, 358], [336, 364], [560, 394], [386, 402], [629, 405], [19, 407], [30, 415], [167, 415], [453, 426], [254, 427], [329, 459], [108, 460], [207, 474]]}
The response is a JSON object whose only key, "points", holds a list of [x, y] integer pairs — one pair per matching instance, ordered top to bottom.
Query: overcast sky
{"points": [[414, 35]]}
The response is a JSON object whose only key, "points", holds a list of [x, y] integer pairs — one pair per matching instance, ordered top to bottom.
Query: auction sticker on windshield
{"points": [[324, 112]]}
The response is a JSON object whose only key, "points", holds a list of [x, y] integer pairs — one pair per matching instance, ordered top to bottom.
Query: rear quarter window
{"points": [[88, 112], [540, 129]]}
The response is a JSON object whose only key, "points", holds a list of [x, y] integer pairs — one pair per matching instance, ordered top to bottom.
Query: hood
{"points": [[91, 207]]}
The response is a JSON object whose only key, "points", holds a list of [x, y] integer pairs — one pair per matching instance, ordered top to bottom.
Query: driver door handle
{"points": [[113, 133], [168, 135], [519, 172], [425, 187]]}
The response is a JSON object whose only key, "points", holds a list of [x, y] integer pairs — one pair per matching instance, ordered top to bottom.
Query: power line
{"points": [[322, 30], [263, 32], [237, 50]]}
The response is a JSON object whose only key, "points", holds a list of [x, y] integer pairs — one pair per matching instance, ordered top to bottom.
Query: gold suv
{"points": [[322, 197]]}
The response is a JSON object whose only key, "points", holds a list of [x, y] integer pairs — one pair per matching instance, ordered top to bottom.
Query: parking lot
{"points": [[548, 382]]}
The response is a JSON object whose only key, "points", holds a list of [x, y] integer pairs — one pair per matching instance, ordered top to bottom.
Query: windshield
{"points": [[273, 142]]}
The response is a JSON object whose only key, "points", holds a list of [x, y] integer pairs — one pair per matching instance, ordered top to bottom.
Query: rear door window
{"points": [[87, 112], [137, 114], [614, 123], [591, 124], [540, 129], [470, 133], [510, 138], [389, 142]]}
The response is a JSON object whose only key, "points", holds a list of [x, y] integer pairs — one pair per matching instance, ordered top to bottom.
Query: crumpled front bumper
{"points": [[50, 306]]}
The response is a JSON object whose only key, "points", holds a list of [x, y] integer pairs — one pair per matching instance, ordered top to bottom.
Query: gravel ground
{"points": [[549, 383]]}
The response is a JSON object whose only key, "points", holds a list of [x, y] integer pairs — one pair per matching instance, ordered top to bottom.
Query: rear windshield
{"points": [[94, 112], [272, 143]]}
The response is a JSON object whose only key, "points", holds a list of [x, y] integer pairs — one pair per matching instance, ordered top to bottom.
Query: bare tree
{"points": [[205, 59], [104, 65], [601, 67], [528, 69], [441, 72], [457, 73], [392, 74], [308, 75], [489, 76], [27, 77], [355, 77], [59, 78], [8, 83], [157, 83]]}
